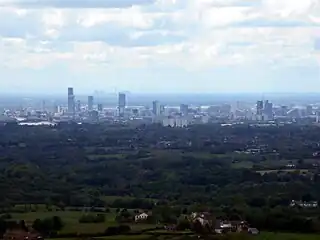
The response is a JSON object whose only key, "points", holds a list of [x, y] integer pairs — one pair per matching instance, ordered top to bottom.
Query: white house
{"points": [[141, 217]]}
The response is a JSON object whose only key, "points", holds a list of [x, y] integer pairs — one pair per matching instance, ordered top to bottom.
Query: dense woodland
{"points": [[232, 171]]}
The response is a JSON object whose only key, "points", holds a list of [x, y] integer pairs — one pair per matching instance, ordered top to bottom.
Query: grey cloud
{"points": [[75, 3]]}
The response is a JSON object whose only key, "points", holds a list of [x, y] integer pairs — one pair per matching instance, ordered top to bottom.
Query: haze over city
{"points": [[158, 46]]}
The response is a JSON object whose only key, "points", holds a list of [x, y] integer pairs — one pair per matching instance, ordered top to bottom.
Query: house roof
{"points": [[143, 214]]}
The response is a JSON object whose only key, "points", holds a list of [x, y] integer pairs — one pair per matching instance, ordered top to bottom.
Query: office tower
{"points": [[90, 103], [71, 104], [121, 104], [43, 105], [78, 107], [100, 107], [259, 107], [156, 108], [55, 109], [162, 109], [184, 109], [259, 110], [268, 110], [284, 110], [309, 110]]}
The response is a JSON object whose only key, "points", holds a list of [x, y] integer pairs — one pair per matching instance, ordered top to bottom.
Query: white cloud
{"points": [[74, 3], [188, 34]]}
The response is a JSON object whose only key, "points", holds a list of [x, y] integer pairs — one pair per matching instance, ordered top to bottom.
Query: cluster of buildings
{"points": [[75, 109], [262, 112], [158, 113], [304, 204], [208, 221], [221, 226]]}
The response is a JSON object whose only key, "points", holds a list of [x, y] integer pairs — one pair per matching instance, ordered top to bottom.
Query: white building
{"points": [[175, 122], [141, 217]]}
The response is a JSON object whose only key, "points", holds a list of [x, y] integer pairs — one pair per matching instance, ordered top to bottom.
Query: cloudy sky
{"points": [[160, 45]]}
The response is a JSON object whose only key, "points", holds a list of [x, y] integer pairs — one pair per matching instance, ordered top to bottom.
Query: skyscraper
{"points": [[71, 103], [90, 103], [121, 103], [43, 105], [78, 107], [100, 107], [259, 107], [156, 108], [162, 109], [184, 109], [259, 110], [268, 110], [309, 110]]}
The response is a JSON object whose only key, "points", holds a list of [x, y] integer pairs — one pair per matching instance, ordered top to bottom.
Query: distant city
{"points": [[95, 110]]}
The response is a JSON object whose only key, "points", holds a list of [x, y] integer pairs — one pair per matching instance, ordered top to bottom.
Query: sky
{"points": [[159, 46]]}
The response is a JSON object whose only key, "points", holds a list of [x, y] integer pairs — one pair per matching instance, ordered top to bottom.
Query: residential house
{"points": [[311, 204], [141, 217], [204, 218], [231, 226], [253, 231]]}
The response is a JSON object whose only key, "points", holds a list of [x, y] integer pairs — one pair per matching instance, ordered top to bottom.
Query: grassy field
{"points": [[106, 156], [242, 164], [111, 199], [71, 221], [177, 236], [262, 236], [286, 236], [129, 237]]}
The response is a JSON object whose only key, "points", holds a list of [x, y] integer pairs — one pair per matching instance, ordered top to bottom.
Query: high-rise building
{"points": [[71, 103], [90, 103], [121, 103], [43, 105], [78, 106], [100, 107], [259, 107], [156, 108], [162, 109], [184, 109], [259, 110], [268, 110], [284, 110], [309, 110]]}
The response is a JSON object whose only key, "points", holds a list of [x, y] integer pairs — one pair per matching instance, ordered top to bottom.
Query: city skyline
{"points": [[159, 46]]}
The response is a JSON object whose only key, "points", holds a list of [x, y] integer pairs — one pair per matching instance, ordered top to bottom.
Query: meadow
{"points": [[71, 221], [72, 225], [286, 236]]}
